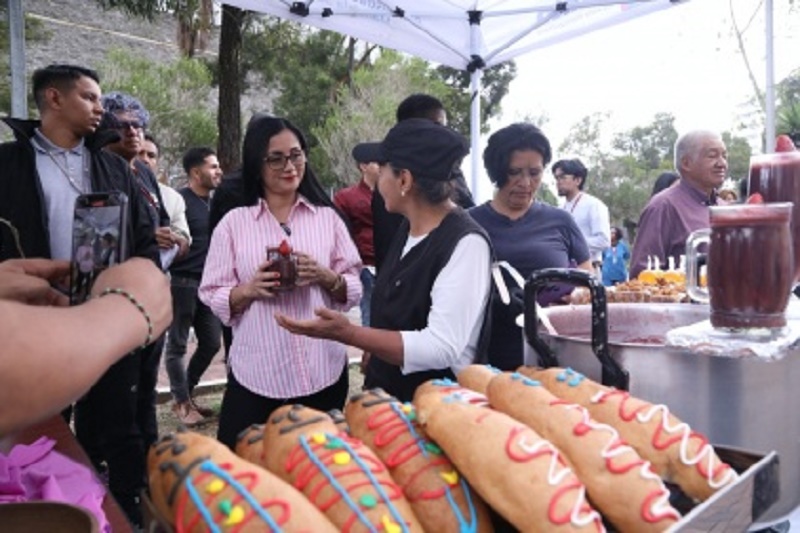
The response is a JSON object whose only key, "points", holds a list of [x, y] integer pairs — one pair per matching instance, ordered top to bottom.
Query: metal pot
{"points": [[745, 402]]}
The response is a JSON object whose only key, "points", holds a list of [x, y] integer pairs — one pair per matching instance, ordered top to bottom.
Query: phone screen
{"points": [[98, 239]]}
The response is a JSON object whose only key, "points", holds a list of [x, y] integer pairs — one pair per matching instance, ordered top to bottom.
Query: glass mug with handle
{"points": [[776, 177], [750, 265]]}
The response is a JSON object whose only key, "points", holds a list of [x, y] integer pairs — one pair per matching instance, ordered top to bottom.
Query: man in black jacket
{"points": [[42, 172]]}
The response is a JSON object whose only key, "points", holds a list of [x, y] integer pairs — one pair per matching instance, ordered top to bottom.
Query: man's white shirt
{"points": [[591, 216]]}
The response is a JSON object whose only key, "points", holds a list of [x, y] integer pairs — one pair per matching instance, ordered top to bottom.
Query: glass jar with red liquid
{"points": [[776, 177], [284, 262]]}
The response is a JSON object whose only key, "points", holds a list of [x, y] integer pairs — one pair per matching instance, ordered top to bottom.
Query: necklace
{"points": [[65, 172], [577, 199]]}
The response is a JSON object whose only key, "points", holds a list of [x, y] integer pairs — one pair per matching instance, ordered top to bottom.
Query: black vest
{"points": [[401, 298]]}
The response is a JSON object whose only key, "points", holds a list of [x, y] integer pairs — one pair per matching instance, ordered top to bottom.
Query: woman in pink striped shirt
{"points": [[269, 366]]}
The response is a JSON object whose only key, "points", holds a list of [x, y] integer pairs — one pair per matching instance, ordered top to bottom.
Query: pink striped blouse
{"points": [[266, 358]]}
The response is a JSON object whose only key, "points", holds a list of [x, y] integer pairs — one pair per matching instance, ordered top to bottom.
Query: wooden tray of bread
{"points": [[544, 450]]}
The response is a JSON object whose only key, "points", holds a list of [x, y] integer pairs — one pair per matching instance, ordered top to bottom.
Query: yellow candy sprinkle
{"points": [[407, 408], [318, 438], [341, 458], [451, 478], [215, 486], [235, 517], [389, 526]]}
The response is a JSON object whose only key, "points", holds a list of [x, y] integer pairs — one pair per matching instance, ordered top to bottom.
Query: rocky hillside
{"points": [[80, 32]]}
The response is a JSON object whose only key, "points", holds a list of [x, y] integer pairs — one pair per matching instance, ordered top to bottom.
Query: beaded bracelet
{"points": [[132, 299]]}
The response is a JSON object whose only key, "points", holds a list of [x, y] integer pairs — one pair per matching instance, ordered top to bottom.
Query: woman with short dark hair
{"points": [[527, 234]]}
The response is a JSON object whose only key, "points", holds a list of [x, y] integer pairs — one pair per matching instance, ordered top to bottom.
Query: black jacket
{"points": [[21, 197], [401, 298]]}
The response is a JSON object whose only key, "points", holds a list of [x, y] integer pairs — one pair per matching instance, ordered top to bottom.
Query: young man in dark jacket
{"points": [[42, 172]]}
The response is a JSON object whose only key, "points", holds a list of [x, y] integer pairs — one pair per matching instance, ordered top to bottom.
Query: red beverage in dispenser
{"points": [[777, 178], [750, 265]]}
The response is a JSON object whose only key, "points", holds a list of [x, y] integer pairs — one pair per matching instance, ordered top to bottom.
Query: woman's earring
{"points": [[402, 192]]}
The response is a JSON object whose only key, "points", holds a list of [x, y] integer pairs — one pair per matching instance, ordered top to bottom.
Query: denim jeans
{"points": [[367, 282], [188, 311]]}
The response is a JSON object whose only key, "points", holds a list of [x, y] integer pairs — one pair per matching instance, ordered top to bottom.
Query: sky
{"points": [[683, 60]]}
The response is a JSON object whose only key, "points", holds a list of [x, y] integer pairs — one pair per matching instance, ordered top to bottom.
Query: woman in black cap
{"points": [[286, 210], [529, 235], [429, 301]]}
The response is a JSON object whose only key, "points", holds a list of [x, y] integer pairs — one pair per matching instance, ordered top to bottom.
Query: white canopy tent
{"points": [[463, 34]]}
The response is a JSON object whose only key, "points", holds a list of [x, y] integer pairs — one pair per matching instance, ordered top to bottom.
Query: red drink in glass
{"points": [[777, 178], [750, 265]]}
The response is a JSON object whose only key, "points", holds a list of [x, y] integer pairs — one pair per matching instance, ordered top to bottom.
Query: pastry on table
{"points": [[677, 453], [518, 473], [339, 474], [619, 483], [197, 485], [440, 497]]}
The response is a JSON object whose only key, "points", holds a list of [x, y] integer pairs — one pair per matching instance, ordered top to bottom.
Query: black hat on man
{"points": [[425, 148], [367, 153]]}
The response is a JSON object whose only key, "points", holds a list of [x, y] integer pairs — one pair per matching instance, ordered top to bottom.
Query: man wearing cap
{"points": [[355, 203], [429, 301]]}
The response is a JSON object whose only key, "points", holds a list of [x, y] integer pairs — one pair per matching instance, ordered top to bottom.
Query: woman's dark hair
{"points": [[518, 136], [256, 141], [664, 181], [432, 190]]}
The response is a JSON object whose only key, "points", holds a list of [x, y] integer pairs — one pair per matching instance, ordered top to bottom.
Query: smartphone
{"points": [[99, 239]]}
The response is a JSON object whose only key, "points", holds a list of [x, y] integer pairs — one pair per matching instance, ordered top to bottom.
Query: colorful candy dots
{"points": [[408, 410], [319, 438], [433, 448], [341, 458], [451, 478], [215, 487], [368, 501], [234, 513], [390, 526]]}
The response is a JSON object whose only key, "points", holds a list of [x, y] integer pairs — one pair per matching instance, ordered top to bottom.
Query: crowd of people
{"points": [[406, 243]]}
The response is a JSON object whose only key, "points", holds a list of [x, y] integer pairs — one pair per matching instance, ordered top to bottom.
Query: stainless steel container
{"points": [[745, 402]]}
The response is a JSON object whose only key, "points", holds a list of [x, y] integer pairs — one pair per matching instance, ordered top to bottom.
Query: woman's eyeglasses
{"points": [[278, 162]]}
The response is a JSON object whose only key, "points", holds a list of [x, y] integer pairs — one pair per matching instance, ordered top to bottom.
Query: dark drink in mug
{"points": [[777, 178], [284, 263], [750, 265]]}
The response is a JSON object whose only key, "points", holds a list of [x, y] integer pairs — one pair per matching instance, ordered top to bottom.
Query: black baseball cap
{"points": [[425, 148], [367, 153]]}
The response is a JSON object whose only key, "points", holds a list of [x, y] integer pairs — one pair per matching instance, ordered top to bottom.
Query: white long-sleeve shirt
{"points": [[591, 216]]}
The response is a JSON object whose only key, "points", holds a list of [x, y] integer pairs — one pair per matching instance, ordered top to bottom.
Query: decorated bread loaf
{"points": [[477, 377], [430, 394], [250, 444], [677, 453], [337, 473], [521, 475], [620, 484], [199, 485], [439, 496]]}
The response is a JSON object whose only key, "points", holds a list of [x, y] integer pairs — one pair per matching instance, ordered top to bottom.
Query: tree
{"points": [[194, 25], [34, 31], [495, 84], [172, 93], [788, 108], [229, 111], [365, 111], [739, 152]]}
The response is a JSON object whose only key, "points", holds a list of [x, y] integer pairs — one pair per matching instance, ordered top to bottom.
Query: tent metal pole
{"points": [[16, 25], [475, 127], [769, 146]]}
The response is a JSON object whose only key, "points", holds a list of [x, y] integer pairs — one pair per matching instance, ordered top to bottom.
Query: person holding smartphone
{"points": [[42, 172], [35, 386]]}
